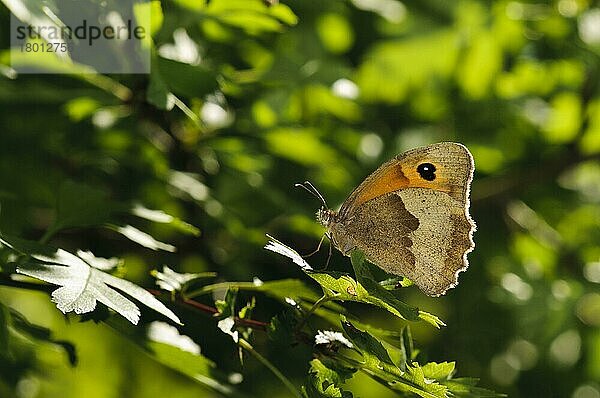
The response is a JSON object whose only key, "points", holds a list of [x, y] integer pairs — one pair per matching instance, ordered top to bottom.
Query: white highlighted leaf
{"points": [[160, 216], [144, 239], [276, 246], [170, 280], [83, 285], [226, 325], [162, 332], [329, 336]]}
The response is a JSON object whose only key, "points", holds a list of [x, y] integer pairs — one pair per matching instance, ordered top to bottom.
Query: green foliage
{"points": [[173, 179], [324, 380]]}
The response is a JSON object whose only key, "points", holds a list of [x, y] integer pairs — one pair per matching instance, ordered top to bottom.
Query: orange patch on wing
{"points": [[394, 178]]}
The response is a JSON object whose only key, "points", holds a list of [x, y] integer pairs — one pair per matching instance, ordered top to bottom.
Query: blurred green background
{"points": [[246, 98]]}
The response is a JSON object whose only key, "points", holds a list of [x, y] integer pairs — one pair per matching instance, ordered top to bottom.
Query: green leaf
{"points": [[150, 11], [283, 13], [251, 15], [193, 81], [158, 93], [26, 247], [82, 285], [344, 288], [286, 291], [226, 307], [246, 311], [431, 319], [281, 329], [406, 346], [374, 354], [182, 361], [438, 371], [325, 378], [429, 381], [415, 382], [466, 387]]}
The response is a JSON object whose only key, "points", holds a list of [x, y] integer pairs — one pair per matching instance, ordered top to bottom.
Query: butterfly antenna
{"points": [[310, 188]]}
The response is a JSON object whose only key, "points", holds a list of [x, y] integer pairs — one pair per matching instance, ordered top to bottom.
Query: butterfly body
{"points": [[410, 217]]}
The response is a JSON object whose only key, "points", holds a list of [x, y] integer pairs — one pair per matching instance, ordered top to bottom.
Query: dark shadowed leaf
{"points": [[193, 81], [80, 205], [374, 354]]}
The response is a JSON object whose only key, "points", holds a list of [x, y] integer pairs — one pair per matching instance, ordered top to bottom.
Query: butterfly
{"points": [[411, 216]]}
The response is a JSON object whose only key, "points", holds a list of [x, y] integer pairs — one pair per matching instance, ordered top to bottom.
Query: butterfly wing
{"points": [[413, 226]]}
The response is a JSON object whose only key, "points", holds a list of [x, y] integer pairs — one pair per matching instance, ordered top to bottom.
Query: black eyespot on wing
{"points": [[426, 171]]}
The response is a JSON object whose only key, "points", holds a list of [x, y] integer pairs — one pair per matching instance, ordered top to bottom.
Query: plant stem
{"points": [[109, 85], [187, 111], [47, 235], [220, 286], [324, 299], [290, 386]]}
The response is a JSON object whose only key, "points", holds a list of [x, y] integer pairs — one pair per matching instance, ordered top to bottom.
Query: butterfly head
{"points": [[326, 216]]}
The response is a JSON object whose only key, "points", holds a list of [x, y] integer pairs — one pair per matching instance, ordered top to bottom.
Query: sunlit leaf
{"points": [[150, 11], [300, 145], [161, 217], [144, 239], [277, 247], [172, 281], [82, 285], [343, 287], [162, 332], [331, 337], [438, 371], [419, 385]]}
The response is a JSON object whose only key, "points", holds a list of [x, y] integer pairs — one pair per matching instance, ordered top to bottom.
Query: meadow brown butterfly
{"points": [[411, 216]]}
